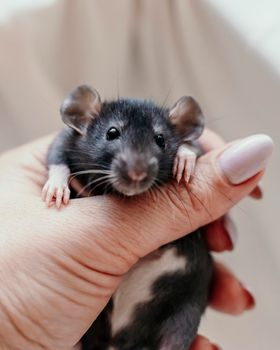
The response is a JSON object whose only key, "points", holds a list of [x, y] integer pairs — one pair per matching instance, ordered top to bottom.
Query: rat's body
{"points": [[127, 147], [159, 304]]}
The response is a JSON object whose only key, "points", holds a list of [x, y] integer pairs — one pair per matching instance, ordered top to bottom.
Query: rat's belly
{"points": [[137, 285]]}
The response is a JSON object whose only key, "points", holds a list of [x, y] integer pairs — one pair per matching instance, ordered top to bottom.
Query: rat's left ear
{"points": [[187, 117]]}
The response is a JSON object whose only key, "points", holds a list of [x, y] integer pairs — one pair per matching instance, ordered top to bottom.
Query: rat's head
{"points": [[134, 142]]}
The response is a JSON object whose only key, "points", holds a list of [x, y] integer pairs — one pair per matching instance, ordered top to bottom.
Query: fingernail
{"points": [[246, 158], [257, 193], [250, 299], [216, 347]]}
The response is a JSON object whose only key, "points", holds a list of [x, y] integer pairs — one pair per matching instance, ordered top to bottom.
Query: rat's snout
{"points": [[137, 167], [134, 172], [137, 175]]}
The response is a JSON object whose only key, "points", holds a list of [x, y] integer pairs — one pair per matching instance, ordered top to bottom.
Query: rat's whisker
{"points": [[163, 104], [93, 171], [87, 172], [102, 179], [105, 181], [153, 194], [164, 194]]}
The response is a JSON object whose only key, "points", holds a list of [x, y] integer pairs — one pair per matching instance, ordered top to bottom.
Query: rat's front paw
{"points": [[184, 164], [57, 192]]}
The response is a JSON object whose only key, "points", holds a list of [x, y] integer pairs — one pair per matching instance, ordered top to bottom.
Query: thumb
{"points": [[226, 175], [137, 226]]}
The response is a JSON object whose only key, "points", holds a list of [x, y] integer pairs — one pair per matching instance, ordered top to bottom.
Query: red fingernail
{"points": [[259, 190], [231, 230], [250, 299], [216, 347]]}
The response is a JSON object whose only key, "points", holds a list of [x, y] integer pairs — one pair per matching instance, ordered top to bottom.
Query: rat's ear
{"points": [[80, 107], [187, 117]]}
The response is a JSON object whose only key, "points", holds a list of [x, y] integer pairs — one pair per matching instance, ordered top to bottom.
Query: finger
{"points": [[209, 140], [222, 178], [221, 234], [228, 294], [202, 343]]}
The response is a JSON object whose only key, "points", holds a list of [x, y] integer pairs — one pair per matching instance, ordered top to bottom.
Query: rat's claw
{"points": [[175, 166], [180, 168], [189, 168], [66, 196]]}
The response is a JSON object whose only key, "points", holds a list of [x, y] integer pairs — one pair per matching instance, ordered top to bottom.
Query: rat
{"points": [[128, 147]]}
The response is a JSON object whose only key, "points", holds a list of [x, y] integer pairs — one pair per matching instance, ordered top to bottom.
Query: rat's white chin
{"points": [[130, 191]]}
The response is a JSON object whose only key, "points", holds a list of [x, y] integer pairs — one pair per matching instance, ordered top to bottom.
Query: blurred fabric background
{"points": [[225, 54]]}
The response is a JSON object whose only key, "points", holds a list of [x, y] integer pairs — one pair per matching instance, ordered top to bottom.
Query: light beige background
{"points": [[158, 49]]}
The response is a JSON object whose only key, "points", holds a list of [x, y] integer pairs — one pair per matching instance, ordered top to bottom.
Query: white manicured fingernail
{"points": [[246, 158], [231, 229]]}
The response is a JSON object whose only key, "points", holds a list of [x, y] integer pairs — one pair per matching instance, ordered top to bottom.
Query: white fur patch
{"points": [[59, 174], [136, 286]]}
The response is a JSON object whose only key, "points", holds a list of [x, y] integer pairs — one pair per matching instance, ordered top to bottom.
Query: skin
{"points": [[60, 267]]}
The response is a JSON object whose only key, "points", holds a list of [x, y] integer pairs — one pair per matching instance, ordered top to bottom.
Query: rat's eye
{"points": [[112, 134], [160, 141]]}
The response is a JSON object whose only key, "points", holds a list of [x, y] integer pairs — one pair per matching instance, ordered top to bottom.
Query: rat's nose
{"points": [[135, 168], [141, 168], [137, 175]]}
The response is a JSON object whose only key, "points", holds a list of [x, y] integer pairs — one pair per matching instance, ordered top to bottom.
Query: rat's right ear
{"points": [[80, 107]]}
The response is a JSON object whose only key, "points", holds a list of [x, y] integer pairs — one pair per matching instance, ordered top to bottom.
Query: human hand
{"points": [[59, 268], [228, 294]]}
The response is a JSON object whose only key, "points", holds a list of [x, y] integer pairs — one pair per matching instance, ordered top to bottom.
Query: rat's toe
{"points": [[175, 166], [180, 169], [189, 169], [45, 191], [50, 196], [59, 196], [66, 196]]}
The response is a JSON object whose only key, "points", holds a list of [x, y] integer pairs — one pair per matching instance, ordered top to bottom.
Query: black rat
{"points": [[128, 147]]}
